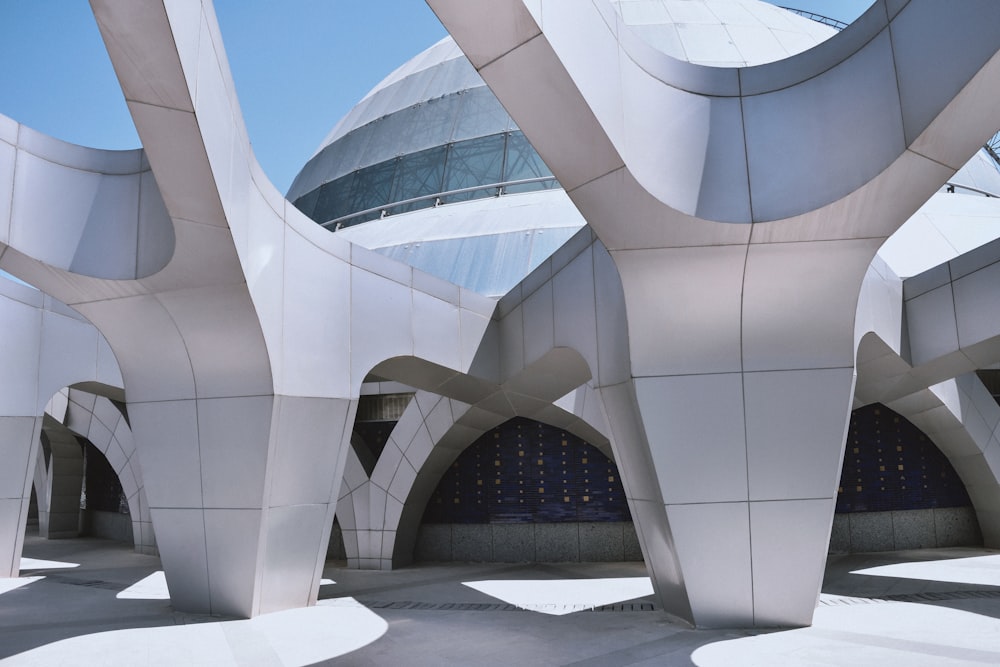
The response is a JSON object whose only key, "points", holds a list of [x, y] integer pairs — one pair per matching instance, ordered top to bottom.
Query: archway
{"points": [[898, 490], [528, 491]]}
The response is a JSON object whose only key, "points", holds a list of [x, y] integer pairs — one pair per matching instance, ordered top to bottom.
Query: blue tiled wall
{"points": [[889, 464], [527, 472]]}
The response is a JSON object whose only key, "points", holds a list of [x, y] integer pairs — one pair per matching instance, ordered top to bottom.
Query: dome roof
{"points": [[437, 97], [432, 132]]}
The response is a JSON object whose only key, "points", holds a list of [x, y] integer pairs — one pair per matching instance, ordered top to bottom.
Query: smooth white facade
{"points": [[733, 216], [741, 346]]}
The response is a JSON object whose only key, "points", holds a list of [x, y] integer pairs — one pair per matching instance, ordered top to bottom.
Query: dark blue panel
{"points": [[889, 464], [527, 472]]}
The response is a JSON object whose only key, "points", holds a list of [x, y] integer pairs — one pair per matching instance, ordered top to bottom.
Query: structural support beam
{"points": [[729, 430]]}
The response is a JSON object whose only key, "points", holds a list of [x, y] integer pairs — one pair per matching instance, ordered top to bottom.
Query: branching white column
{"points": [[742, 208], [63, 483]]}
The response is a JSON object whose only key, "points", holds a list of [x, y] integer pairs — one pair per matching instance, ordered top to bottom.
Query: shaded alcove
{"points": [[898, 490], [525, 491], [104, 510]]}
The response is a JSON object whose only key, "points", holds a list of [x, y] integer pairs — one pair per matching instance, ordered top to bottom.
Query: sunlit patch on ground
{"points": [[39, 564], [979, 570], [7, 585], [154, 587], [564, 596], [877, 633], [293, 637]]}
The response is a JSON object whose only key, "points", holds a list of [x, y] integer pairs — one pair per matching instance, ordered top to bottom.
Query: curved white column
{"points": [[243, 332], [912, 334], [47, 346], [741, 347], [962, 418], [98, 420], [60, 494], [380, 516]]}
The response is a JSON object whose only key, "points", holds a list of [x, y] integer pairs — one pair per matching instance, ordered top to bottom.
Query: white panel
{"points": [[685, 11], [643, 13], [496, 30], [662, 37], [756, 43], [708, 44], [145, 55], [934, 64], [216, 120], [573, 134], [795, 137], [172, 140], [686, 150], [7, 157], [37, 213], [155, 235], [107, 247], [378, 264], [263, 265], [436, 287], [799, 303], [977, 305], [683, 309], [930, 320], [381, 321], [538, 324], [612, 330], [436, 331], [511, 331], [222, 338], [316, 338], [150, 351], [19, 360], [108, 371], [106, 413], [439, 420], [796, 422], [694, 424], [407, 426], [99, 434], [234, 434], [166, 435], [308, 441], [18, 446], [419, 449], [632, 455], [117, 459], [385, 469], [402, 482], [376, 510], [393, 513], [11, 536], [180, 537], [789, 541], [233, 542], [713, 545], [292, 549]]}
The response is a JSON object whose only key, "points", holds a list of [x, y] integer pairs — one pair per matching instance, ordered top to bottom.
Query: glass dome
{"points": [[432, 132]]}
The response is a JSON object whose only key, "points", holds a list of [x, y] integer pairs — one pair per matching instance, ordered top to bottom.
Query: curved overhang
{"points": [[865, 117]]}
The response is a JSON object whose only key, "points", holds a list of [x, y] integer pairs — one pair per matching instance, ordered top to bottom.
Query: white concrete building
{"points": [[689, 278]]}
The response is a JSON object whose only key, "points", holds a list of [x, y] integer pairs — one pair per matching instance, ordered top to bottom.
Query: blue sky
{"points": [[299, 66]]}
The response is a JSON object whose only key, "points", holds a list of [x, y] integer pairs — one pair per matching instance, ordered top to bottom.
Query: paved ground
{"points": [[942, 610]]}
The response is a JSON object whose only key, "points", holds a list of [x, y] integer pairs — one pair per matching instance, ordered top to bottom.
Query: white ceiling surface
{"points": [[722, 33], [726, 33], [945, 227]]}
